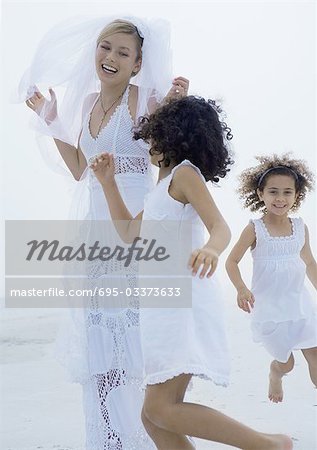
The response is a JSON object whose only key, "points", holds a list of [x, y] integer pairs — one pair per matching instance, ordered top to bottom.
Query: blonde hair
{"points": [[122, 26], [255, 178]]}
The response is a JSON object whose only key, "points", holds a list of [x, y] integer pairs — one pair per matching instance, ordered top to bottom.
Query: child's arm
{"points": [[188, 186], [127, 226], [309, 260], [244, 295]]}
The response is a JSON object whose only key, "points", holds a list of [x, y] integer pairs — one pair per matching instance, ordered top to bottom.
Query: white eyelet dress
{"points": [[284, 316], [184, 340], [112, 391]]}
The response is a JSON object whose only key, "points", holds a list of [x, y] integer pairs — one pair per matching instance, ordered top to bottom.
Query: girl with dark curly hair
{"points": [[189, 144], [283, 318]]}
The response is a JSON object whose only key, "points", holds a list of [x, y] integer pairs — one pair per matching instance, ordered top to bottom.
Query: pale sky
{"points": [[258, 57]]}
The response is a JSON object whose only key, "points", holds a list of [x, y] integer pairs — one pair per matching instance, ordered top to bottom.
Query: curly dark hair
{"points": [[189, 128], [256, 177]]}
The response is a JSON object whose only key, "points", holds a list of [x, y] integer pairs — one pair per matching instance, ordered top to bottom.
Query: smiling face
{"points": [[117, 58], [279, 194]]}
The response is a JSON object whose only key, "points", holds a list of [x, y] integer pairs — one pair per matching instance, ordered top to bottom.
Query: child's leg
{"points": [[311, 357], [277, 371], [162, 408], [164, 439]]}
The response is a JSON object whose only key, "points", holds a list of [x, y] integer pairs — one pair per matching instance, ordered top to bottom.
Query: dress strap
{"points": [[125, 97], [94, 102], [89, 105], [186, 162], [258, 228], [299, 228]]}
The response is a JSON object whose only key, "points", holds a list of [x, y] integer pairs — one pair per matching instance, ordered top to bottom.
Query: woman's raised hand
{"points": [[179, 88], [43, 107], [103, 168]]}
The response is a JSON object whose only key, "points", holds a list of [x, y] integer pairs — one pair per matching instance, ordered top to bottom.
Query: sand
{"points": [[41, 410]]}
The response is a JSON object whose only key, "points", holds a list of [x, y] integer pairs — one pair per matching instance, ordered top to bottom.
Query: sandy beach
{"points": [[258, 58], [41, 410]]}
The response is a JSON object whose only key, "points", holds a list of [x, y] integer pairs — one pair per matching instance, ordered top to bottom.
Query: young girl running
{"points": [[189, 145], [283, 316]]}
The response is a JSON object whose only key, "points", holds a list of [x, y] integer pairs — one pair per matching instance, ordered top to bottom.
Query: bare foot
{"points": [[275, 386], [273, 442], [279, 442]]}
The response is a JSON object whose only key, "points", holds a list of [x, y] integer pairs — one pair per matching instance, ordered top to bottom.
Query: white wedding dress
{"points": [[104, 348]]}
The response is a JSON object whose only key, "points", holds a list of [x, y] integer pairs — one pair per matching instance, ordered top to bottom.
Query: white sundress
{"points": [[284, 316], [184, 340], [106, 354]]}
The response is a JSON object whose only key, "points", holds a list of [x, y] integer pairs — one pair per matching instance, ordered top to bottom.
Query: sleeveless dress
{"points": [[284, 316], [184, 340], [110, 361]]}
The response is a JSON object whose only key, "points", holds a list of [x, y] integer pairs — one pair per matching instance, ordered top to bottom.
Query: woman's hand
{"points": [[179, 88], [43, 107], [103, 168], [206, 257], [245, 299]]}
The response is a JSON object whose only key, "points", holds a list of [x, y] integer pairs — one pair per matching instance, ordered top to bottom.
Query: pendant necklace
{"points": [[105, 111]]}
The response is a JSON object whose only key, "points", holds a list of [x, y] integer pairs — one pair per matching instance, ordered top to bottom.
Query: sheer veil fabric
{"points": [[65, 59]]}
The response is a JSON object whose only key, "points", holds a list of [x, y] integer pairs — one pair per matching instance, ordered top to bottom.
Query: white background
{"points": [[258, 57]]}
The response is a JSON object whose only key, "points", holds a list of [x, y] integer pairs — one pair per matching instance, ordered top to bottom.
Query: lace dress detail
{"points": [[117, 138], [126, 164], [111, 360]]}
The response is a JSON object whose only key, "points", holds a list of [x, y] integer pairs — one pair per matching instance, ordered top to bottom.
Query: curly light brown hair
{"points": [[256, 177]]}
